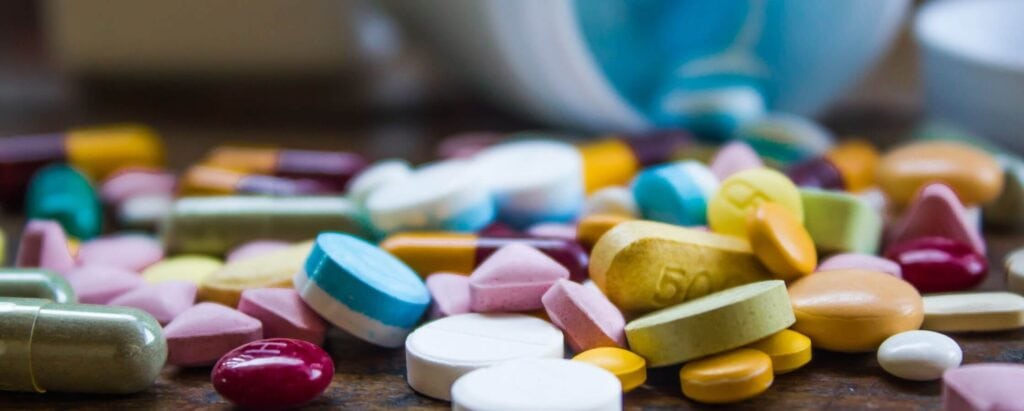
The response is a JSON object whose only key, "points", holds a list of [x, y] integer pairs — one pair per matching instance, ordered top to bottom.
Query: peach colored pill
{"points": [[976, 176], [781, 242], [629, 368], [728, 377]]}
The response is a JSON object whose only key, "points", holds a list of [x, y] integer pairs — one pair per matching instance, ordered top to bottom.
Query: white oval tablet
{"points": [[379, 174], [534, 181], [448, 195], [612, 200], [1015, 271], [984, 311], [441, 351], [919, 355], [538, 384]]}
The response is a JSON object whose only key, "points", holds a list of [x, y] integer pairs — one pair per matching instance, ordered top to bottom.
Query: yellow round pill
{"points": [[606, 163], [743, 192], [590, 228], [781, 242], [185, 267], [788, 350], [629, 368], [728, 377]]}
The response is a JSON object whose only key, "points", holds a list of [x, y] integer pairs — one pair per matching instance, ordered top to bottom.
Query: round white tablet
{"points": [[377, 175], [448, 195], [612, 200], [441, 351], [919, 355], [538, 384]]}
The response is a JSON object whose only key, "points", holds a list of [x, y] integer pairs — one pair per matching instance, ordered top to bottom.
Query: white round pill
{"points": [[377, 175], [448, 195], [612, 200], [441, 351], [919, 355], [538, 384]]}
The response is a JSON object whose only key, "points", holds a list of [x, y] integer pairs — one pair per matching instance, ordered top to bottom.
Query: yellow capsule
{"points": [[101, 150], [856, 160], [607, 163], [743, 192], [590, 228], [781, 242], [3, 246], [184, 267], [271, 270], [788, 349], [629, 368], [728, 377]]}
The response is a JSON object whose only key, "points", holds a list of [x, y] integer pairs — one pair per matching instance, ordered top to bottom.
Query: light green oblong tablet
{"points": [[840, 223], [184, 267], [35, 283], [711, 324]]}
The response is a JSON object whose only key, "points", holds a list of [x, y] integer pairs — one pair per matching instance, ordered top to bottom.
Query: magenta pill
{"points": [[937, 264], [273, 374]]}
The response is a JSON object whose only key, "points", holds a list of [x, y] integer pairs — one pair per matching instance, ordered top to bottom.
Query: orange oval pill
{"points": [[856, 161], [976, 176], [592, 227], [781, 242], [854, 310], [728, 377]]}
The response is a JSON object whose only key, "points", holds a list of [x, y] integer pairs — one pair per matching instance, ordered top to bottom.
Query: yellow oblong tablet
{"points": [[742, 192], [590, 228], [781, 242], [643, 266], [183, 267], [272, 270], [788, 349], [629, 368], [729, 377]]}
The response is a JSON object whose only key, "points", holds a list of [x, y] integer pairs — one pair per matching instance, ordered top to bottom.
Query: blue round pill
{"points": [[675, 193]]}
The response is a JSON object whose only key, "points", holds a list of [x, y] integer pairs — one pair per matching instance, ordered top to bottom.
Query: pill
{"points": [[713, 108], [786, 138], [466, 144], [96, 151], [732, 158], [614, 161], [849, 166], [330, 168], [818, 173], [377, 175], [976, 176], [212, 180], [127, 183], [743, 192], [676, 193], [62, 194], [448, 195], [612, 200], [1006, 209], [145, 211], [936, 212], [840, 222], [214, 225], [590, 228], [499, 229], [561, 231], [780, 242], [44, 245], [3, 247], [255, 248], [128, 251], [432, 252], [867, 262], [937, 264], [1014, 265], [643, 266], [184, 267], [275, 269], [513, 279], [35, 283], [98, 284], [362, 289], [449, 294], [164, 300], [854, 310], [976, 311], [283, 314], [585, 315], [712, 324], [205, 332], [78, 348], [788, 349], [441, 351], [919, 355], [629, 368], [278, 373], [728, 377], [552, 384], [983, 387]]}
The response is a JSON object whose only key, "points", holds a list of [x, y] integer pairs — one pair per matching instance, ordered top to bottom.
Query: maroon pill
{"points": [[938, 264], [273, 374]]}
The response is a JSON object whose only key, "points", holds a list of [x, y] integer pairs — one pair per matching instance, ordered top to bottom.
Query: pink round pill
{"points": [[255, 248], [854, 261], [936, 264], [278, 373]]}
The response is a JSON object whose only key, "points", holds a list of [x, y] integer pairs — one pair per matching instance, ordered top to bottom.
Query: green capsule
{"points": [[61, 193], [35, 283], [77, 347]]}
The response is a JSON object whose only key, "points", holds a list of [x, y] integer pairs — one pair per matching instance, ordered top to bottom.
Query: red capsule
{"points": [[937, 264], [273, 374]]}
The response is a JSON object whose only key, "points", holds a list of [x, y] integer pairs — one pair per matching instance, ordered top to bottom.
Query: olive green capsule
{"points": [[34, 283], [77, 347]]}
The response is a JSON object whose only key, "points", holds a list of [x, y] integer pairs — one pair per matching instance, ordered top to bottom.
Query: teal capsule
{"points": [[61, 193], [34, 283], [77, 347]]}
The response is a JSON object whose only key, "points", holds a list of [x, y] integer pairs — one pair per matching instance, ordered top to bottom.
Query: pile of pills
{"points": [[567, 269]]}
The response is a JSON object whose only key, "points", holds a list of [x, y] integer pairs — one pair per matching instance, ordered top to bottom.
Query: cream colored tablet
{"points": [[985, 311]]}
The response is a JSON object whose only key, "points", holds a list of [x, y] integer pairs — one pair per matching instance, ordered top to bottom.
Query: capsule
{"points": [[96, 151], [614, 160], [848, 166], [331, 168], [207, 180], [61, 193], [214, 225], [431, 252], [35, 283], [77, 347]]}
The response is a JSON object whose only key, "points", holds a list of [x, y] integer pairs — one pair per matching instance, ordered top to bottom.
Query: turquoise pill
{"points": [[61, 193], [675, 193], [33, 283]]}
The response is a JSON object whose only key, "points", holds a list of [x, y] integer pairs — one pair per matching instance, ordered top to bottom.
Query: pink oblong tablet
{"points": [[733, 158], [134, 182], [45, 245], [255, 248], [130, 251], [847, 261], [513, 279], [98, 284], [449, 294], [164, 300], [283, 314], [586, 316], [202, 334], [984, 387]]}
